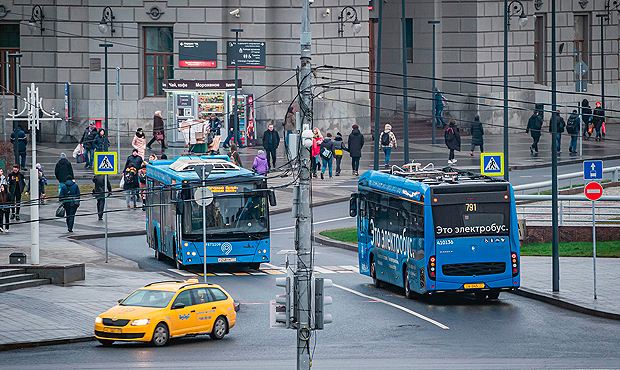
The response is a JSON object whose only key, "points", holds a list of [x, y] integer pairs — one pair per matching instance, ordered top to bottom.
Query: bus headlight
{"points": [[193, 253]]}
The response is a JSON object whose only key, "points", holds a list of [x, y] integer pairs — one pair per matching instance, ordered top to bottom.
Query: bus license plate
{"points": [[227, 259], [474, 286], [112, 330]]}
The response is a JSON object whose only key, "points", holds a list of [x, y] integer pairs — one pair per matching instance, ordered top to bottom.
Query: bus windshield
{"points": [[238, 213], [471, 219]]}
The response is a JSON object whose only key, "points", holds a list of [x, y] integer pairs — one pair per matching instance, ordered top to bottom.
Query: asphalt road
{"points": [[372, 329]]}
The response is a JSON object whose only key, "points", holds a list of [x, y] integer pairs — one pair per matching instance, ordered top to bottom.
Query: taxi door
{"points": [[218, 306], [204, 311], [183, 314]]}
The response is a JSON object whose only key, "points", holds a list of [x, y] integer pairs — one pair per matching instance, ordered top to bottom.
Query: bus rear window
{"points": [[471, 219]]}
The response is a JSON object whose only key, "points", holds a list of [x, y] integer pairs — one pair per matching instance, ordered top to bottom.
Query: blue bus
{"points": [[237, 217], [436, 231]]}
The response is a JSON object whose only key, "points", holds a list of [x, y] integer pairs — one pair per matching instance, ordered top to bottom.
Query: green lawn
{"points": [[567, 249]]}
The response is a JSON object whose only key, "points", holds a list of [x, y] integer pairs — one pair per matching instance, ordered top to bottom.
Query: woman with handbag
{"points": [[158, 131], [139, 142], [339, 149], [327, 154]]}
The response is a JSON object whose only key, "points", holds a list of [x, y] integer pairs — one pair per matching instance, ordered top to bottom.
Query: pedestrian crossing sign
{"points": [[106, 163], [492, 164]]}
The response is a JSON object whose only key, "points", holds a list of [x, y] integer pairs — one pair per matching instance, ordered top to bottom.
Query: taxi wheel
{"points": [[220, 328], [160, 335], [105, 342]]}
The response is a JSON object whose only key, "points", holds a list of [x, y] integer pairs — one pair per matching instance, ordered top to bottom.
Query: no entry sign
{"points": [[593, 191]]}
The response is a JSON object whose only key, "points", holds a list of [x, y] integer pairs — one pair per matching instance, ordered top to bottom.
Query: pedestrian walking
{"points": [[440, 104], [586, 117], [598, 118], [558, 122], [289, 125], [534, 127], [573, 129], [231, 130], [159, 133], [477, 135], [19, 136], [452, 136], [271, 141], [139, 142], [388, 142], [101, 143], [355, 143], [88, 144], [339, 149], [315, 150], [327, 155], [234, 156], [134, 160], [260, 165], [62, 170], [3, 180], [42, 182], [17, 185], [131, 185], [142, 185], [99, 192], [70, 198], [5, 208]]}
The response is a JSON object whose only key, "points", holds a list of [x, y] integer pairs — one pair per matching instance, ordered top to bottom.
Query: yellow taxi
{"points": [[168, 309]]}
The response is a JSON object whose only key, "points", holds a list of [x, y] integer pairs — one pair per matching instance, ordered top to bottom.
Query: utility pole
{"points": [[506, 26], [405, 77], [235, 105], [118, 112], [435, 120], [377, 129], [303, 230], [555, 236]]}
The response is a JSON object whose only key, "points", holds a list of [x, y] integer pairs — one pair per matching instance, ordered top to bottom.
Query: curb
{"points": [[560, 163], [524, 292], [563, 303], [49, 342]]}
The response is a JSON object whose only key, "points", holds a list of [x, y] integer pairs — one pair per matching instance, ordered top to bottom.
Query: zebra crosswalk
{"points": [[270, 269]]}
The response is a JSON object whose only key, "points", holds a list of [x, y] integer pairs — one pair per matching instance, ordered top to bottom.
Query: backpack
{"points": [[571, 127], [385, 139]]}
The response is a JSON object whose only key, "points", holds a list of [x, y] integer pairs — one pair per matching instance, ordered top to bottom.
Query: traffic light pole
{"points": [[303, 230]]}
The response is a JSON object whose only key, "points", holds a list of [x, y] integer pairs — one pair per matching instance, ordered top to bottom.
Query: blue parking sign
{"points": [[106, 163], [593, 170]]}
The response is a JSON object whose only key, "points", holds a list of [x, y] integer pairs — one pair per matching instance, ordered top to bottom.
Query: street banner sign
{"points": [[106, 163], [492, 164], [593, 170], [593, 191]]}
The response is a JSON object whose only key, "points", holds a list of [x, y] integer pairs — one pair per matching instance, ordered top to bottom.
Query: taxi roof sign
{"points": [[106, 163], [492, 164]]}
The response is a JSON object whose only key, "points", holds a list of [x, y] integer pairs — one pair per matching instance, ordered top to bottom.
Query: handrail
{"points": [[537, 185], [579, 197]]}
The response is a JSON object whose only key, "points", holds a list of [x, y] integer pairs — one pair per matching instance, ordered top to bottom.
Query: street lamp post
{"points": [[511, 9], [348, 13], [107, 18], [36, 19], [405, 77], [378, 89], [433, 90], [235, 104], [555, 235]]}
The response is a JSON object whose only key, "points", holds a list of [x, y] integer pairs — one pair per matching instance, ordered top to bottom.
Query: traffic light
{"points": [[320, 301], [284, 302]]}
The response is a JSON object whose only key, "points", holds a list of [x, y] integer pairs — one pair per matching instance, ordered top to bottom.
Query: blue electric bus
{"points": [[237, 217], [435, 231]]}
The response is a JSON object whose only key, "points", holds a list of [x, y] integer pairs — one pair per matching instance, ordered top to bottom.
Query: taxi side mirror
{"points": [[120, 300], [177, 306]]}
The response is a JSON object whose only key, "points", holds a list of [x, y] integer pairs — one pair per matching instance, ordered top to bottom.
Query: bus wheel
{"points": [[254, 266], [373, 274], [408, 293], [494, 294], [481, 296]]}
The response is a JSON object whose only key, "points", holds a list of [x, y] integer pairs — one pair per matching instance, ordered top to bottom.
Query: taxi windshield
{"points": [[148, 298]]}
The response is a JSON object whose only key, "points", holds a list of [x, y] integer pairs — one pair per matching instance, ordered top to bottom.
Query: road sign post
{"points": [[106, 163], [492, 164], [593, 191], [204, 197]]}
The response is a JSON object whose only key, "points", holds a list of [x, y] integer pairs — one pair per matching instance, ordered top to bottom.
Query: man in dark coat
{"points": [[586, 115], [598, 118], [558, 122], [534, 127], [158, 131], [477, 133], [19, 136], [452, 137], [271, 141], [88, 143], [355, 144], [134, 160], [63, 170], [17, 185], [100, 193], [70, 198]]}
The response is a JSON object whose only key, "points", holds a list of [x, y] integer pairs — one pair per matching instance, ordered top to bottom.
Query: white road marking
{"points": [[314, 223], [351, 268], [339, 269], [323, 271], [182, 273], [222, 274], [404, 309]]}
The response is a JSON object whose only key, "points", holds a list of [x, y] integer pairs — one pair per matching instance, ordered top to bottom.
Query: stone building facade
{"points": [[67, 50]]}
